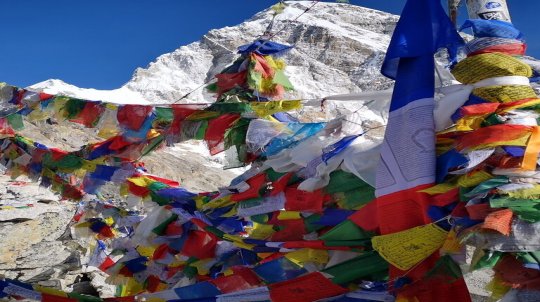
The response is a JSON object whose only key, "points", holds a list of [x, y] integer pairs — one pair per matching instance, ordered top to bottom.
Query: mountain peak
{"points": [[338, 48]]}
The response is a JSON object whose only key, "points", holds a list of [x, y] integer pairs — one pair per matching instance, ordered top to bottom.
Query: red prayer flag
{"points": [[511, 49], [227, 81], [45, 96], [479, 109], [181, 112], [90, 114], [133, 116], [216, 129], [492, 134], [172, 183], [255, 184], [280, 184], [137, 190], [444, 199], [298, 200], [403, 210], [479, 211], [366, 217], [294, 231], [200, 244], [108, 262], [247, 274], [514, 274], [232, 283], [311, 287], [434, 290], [52, 298], [120, 299]]}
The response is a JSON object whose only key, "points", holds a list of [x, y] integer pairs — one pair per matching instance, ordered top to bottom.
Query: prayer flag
{"points": [[408, 155]]}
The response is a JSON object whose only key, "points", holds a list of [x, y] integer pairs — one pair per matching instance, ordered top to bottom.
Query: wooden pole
{"points": [[453, 6]]}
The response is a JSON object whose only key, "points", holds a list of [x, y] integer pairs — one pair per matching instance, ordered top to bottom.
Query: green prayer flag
{"points": [[254, 79], [281, 79], [230, 107], [73, 108], [164, 115], [492, 119], [15, 121], [202, 130], [152, 145], [69, 162], [272, 175], [341, 181], [487, 185], [526, 209], [310, 223], [162, 227], [346, 230], [219, 233], [488, 260], [365, 266], [445, 268], [190, 271]]}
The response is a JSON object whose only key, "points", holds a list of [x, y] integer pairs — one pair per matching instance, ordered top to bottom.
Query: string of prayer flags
{"points": [[134, 130], [493, 212]]}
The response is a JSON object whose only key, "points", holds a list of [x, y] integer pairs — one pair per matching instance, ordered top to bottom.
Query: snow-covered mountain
{"points": [[338, 49]]}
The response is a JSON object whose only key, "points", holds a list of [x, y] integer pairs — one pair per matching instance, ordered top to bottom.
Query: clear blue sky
{"points": [[99, 43]]}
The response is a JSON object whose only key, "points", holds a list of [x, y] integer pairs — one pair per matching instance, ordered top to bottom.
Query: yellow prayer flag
{"points": [[278, 7], [489, 65], [505, 94], [58, 106], [263, 109], [38, 115], [469, 123], [88, 166], [474, 179], [141, 181], [440, 188], [529, 193], [199, 201], [218, 203], [289, 215], [109, 221], [261, 231], [451, 244], [243, 245], [407, 248], [146, 251], [308, 255], [203, 266], [131, 288], [497, 288], [50, 291]]}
